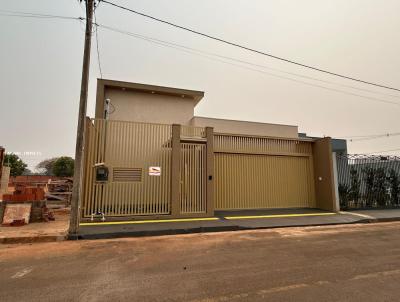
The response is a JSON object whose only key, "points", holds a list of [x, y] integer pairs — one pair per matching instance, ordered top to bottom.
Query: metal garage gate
{"points": [[259, 172]]}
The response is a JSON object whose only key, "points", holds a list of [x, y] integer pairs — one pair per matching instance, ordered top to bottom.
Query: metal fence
{"points": [[129, 150], [368, 181]]}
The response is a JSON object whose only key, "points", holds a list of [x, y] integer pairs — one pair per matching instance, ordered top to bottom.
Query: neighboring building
{"points": [[339, 146], [147, 155]]}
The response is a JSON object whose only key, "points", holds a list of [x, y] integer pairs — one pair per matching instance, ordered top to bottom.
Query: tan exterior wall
{"points": [[165, 105], [149, 108], [246, 128], [324, 176]]}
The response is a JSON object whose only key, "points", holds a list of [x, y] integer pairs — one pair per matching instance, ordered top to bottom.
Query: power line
{"points": [[8, 13], [37, 15], [40, 17], [97, 44], [248, 48], [198, 52], [208, 54], [252, 64], [373, 137], [384, 151]]}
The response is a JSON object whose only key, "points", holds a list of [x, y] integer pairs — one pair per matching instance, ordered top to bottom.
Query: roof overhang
{"points": [[103, 84], [185, 93]]}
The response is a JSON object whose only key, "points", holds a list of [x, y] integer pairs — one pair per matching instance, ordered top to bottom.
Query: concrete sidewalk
{"points": [[379, 215], [224, 221], [233, 221]]}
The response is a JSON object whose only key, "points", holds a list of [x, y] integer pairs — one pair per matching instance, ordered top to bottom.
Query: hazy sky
{"points": [[41, 62]]}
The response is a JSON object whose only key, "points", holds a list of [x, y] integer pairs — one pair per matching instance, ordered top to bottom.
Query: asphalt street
{"points": [[331, 263]]}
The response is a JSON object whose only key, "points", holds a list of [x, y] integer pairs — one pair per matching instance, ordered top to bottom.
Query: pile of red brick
{"points": [[25, 194]]}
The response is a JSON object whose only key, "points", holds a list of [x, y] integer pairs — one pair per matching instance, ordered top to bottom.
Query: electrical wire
{"points": [[8, 13], [36, 15], [41, 17], [97, 45], [248, 48], [195, 52], [208, 55], [259, 65], [373, 137], [384, 151]]}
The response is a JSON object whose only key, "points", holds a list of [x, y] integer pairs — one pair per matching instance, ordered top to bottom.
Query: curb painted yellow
{"points": [[278, 216], [202, 219], [147, 221]]}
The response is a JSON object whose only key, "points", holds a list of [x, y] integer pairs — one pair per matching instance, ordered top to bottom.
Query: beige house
{"points": [[164, 105], [147, 155]]}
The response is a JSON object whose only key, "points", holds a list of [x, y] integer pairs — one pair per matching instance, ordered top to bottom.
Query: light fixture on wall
{"points": [[106, 108]]}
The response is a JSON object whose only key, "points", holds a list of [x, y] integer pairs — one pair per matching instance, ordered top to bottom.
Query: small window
{"points": [[127, 174]]}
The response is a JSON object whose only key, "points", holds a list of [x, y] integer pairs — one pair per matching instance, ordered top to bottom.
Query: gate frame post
{"points": [[175, 170], [210, 171], [336, 180], [325, 192]]}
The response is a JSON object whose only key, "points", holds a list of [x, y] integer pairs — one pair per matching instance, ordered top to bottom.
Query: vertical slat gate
{"points": [[128, 149], [259, 172], [193, 178]]}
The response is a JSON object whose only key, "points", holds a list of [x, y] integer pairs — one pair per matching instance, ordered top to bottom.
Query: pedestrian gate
{"points": [[193, 178]]}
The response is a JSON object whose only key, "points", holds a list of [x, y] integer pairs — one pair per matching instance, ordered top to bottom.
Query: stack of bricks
{"points": [[25, 194], [32, 195]]}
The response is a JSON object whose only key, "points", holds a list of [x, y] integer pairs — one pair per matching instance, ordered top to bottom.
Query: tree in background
{"points": [[17, 166], [46, 166], [64, 166], [394, 183], [369, 186], [380, 187], [354, 192], [344, 195]]}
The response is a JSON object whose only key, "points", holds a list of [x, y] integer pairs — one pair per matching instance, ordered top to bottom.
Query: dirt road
{"points": [[336, 263]]}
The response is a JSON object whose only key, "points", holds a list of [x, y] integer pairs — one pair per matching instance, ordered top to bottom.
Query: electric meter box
{"points": [[101, 173]]}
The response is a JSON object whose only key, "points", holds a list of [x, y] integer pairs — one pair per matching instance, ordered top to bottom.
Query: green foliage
{"points": [[15, 163], [63, 166], [369, 185], [394, 185], [380, 187], [354, 192], [344, 195]]}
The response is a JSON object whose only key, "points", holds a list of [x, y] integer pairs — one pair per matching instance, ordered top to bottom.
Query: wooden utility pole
{"points": [[76, 190]]}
